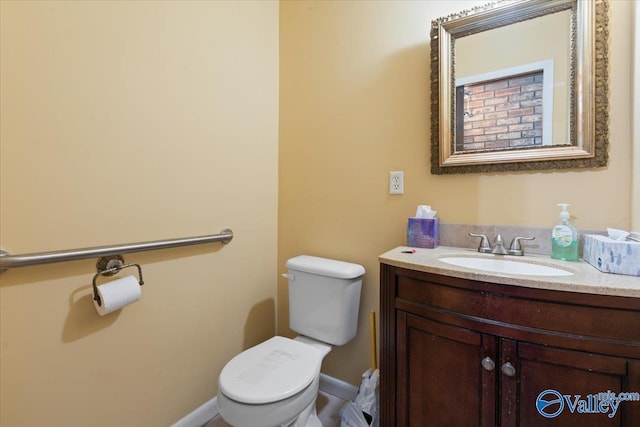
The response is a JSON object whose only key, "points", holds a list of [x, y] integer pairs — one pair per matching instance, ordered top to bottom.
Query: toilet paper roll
{"points": [[116, 294]]}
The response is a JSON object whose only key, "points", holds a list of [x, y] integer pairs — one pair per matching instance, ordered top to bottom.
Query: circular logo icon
{"points": [[549, 403]]}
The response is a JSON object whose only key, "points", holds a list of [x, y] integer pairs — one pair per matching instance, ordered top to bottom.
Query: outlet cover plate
{"points": [[396, 182]]}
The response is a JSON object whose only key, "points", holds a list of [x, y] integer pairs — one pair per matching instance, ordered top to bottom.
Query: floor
{"points": [[327, 405]]}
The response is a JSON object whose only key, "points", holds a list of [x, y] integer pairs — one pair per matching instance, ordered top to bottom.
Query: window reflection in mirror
{"points": [[502, 72]]}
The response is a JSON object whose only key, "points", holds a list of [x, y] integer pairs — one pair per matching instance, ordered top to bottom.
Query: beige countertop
{"points": [[585, 278]]}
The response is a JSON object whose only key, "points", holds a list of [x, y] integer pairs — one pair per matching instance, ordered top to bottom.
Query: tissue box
{"points": [[423, 233], [612, 256]]}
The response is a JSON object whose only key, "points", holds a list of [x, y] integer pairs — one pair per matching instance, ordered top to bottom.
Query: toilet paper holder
{"points": [[109, 266]]}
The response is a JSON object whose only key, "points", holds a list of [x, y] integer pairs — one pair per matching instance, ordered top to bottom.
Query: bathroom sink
{"points": [[507, 266]]}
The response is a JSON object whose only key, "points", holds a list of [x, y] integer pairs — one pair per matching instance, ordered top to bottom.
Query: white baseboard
{"points": [[338, 388], [209, 409], [200, 416]]}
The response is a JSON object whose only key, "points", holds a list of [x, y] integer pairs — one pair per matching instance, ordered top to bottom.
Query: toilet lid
{"points": [[273, 370]]}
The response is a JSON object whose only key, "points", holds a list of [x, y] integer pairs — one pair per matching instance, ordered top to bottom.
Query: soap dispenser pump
{"points": [[564, 237]]}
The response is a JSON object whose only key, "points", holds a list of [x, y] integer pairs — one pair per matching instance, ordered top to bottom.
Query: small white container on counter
{"points": [[612, 256]]}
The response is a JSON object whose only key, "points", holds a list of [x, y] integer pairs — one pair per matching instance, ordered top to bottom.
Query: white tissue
{"points": [[424, 211], [618, 235], [116, 294]]}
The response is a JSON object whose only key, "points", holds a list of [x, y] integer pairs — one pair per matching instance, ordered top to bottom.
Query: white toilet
{"points": [[276, 382]]}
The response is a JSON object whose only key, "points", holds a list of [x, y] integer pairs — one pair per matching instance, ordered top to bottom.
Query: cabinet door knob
{"points": [[488, 364], [508, 369]]}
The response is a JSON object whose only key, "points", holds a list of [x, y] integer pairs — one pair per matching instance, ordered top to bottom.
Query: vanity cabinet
{"points": [[460, 352]]}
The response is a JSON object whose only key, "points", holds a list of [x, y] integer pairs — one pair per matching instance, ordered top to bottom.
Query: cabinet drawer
{"points": [[506, 306]]}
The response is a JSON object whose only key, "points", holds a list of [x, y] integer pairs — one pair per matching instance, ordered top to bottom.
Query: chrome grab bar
{"points": [[13, 261]]}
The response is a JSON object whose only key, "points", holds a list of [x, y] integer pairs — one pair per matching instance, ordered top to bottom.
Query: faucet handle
{"points": [[484, 245], [515, 248]]}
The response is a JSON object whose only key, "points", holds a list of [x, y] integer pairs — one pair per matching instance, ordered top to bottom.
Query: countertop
{"points": [[585, 278]]}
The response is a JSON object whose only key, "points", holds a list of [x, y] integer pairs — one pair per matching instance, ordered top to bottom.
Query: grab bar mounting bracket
{"points": [[110, 265]]}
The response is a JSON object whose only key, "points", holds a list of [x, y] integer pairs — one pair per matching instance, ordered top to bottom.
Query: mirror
{"points": [[520, 85]]}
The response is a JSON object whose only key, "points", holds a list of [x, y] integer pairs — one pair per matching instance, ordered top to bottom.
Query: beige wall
{"points": [[354, 105], [125, 122], [635, 177]]}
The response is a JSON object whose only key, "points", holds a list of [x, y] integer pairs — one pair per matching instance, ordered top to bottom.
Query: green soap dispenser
{"points": [[564, 237]]}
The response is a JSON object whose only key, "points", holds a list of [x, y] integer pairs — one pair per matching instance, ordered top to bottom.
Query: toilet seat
{"points": [[271, 371], [274, 414]]}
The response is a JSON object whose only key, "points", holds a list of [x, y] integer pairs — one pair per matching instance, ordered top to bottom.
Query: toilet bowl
{"points": [[276, 383], [272, 384], [297, 411]]}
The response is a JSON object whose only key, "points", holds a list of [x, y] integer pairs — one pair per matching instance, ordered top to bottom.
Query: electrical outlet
{"points": [[396, 182]]}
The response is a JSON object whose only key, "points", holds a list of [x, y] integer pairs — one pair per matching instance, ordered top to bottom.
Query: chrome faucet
{"points": [[498, 246], [515, 248]]}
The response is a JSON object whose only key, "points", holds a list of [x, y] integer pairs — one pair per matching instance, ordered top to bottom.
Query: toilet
{"points": [[276, 382]]}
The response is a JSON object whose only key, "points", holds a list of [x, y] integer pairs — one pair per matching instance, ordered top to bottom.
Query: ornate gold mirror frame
{"points": [[588, 94]]}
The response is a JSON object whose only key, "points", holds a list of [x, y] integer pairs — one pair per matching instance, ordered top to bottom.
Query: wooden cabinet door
{"points": [[440, 378], [566, 385]]}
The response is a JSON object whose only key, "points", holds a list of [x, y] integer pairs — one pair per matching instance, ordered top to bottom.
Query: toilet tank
{"points": [[324, 298]]}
